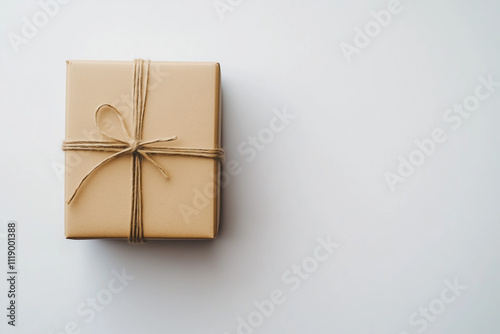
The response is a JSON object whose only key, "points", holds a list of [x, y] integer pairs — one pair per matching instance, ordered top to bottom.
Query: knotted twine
{"points": [[135, 146]]}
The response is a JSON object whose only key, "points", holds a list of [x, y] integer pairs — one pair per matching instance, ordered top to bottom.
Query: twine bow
{"points": [[135, 146]]}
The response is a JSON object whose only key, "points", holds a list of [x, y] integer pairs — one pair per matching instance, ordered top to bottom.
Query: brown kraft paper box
{"points": [[183, 100]]}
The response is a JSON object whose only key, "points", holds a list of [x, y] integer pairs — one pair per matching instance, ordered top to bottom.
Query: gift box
{"points": [[142, 150]]}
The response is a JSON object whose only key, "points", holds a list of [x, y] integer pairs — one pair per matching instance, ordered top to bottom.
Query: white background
{"points": [[323, 175]]}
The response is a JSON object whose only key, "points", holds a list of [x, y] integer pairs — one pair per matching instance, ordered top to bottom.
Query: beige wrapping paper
{"points": [[183, 100]]}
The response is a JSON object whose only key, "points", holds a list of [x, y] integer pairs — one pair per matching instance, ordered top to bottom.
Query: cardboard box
{"points": [[183, 100]]}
